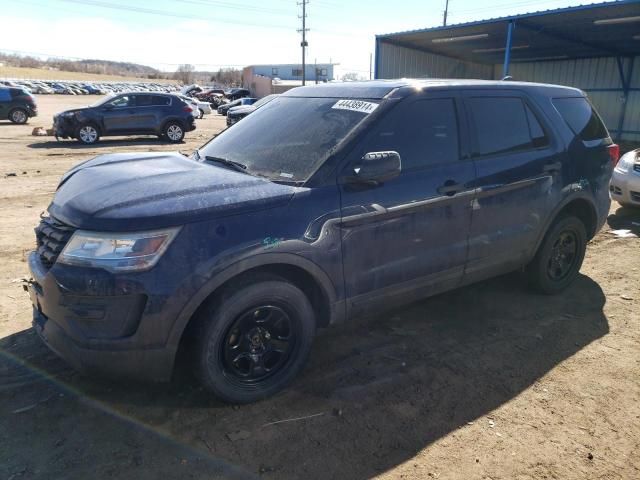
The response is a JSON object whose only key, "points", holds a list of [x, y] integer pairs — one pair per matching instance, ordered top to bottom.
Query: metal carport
{"points": [[593, 47]]}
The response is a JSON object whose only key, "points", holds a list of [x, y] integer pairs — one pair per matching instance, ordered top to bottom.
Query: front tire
{"points": [[19, 116], [174, 132], [87, 134], [559, 257], [253, 341]]}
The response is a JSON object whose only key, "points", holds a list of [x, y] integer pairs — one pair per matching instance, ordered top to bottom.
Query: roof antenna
{"points": [[506, 78]]}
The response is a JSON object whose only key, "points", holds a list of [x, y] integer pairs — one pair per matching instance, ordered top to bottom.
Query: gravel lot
{"points": [[486, 382]]}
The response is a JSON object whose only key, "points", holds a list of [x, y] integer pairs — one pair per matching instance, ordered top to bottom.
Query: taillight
{"points": [[187, 108], [614, 153]]}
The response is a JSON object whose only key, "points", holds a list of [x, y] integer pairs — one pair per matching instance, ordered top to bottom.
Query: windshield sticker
{"points": [[355, 106], [286, 175]]}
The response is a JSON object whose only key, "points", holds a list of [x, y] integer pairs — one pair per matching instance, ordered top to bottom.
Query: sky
{"points": [[211, 34]]}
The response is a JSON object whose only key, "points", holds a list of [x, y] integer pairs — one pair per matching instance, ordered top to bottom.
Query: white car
{"points": [[200, 108], [625, 182]]}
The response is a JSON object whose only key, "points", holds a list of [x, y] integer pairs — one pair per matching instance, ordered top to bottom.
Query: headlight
{"points": [[626, 162], [117, 252]]}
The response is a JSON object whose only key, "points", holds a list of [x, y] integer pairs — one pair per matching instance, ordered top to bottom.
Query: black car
{"points": [[236, 93], [17, 105], [223, 109], [160, 114], [235, 114], [331, 201]]}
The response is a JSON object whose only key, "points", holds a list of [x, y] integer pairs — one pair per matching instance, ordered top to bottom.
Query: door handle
{"points": [[552, 167], [450, 188]]}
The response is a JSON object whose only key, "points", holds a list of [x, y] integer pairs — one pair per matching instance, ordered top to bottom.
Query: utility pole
{"points": [[446, 11], [304, 43], [370, 66]]}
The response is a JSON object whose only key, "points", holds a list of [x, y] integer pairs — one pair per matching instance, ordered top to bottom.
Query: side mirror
{"points": [[377, 167]]}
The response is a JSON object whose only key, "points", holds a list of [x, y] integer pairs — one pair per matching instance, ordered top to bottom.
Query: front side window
{"points": [[122, 101], [501, 125], [424, 133], [288, 138]]}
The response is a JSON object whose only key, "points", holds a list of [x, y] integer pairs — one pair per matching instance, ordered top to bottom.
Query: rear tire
{"points": [[201, 113], [18, 116], [173, 132], [87, 134], [559, 257], [254, 340]]}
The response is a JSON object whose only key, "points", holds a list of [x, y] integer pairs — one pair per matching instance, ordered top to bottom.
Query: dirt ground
{"points": [[486, 382]]}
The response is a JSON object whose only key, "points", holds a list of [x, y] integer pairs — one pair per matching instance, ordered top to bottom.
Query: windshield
{"points": [[102, 101], [288, 138]]}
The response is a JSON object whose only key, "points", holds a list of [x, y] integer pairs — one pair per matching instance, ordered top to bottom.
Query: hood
{"points": [[241, 110], [131, 191]]}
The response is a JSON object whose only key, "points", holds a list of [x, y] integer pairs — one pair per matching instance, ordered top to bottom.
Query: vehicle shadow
{"points": [[103, 143], [626, 219], [376, 392]]}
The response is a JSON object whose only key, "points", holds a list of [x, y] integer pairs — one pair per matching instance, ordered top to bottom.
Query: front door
{"points": [[118, 115], [408, 237]]}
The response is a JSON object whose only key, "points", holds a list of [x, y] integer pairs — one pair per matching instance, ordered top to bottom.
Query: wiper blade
{"points": [[240, 167]]}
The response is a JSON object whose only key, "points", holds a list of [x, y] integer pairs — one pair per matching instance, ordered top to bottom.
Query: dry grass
{"points": [[42, 74]]}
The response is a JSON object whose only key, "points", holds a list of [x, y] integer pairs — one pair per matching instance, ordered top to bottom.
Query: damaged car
{"points": [[163, 115], [331, 201]]}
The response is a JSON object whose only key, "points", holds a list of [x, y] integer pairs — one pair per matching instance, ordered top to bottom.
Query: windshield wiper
{"points": [[240, 167]]}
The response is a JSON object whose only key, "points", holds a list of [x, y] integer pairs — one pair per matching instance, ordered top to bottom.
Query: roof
{"points": [[596, 30], [376, 89]]}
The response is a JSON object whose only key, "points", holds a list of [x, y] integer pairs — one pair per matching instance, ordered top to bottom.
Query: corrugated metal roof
{"points": [[550, 34]]}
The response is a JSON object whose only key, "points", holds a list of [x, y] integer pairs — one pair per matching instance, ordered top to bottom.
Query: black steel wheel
{"points": [[559, 257], [252, 341]]}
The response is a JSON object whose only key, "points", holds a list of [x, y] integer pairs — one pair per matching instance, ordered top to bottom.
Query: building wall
{"points": [[400, 62], [286, 71], [600, 79]]}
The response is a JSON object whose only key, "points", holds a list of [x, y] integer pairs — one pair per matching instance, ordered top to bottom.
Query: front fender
{"points": [[245, 265]]}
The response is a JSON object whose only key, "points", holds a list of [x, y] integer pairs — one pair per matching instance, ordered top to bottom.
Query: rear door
{"points": [[148, 111], [519, 179], [408, 237]]}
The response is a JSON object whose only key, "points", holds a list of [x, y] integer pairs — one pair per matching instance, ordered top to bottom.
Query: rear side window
{"points": [[18, 92], [144, 100], [159, 100], [581, 118], [502, 125], [424, 133]]}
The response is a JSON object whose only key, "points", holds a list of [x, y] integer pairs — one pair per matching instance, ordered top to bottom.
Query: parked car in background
{"points": [[236, 93], [17, 105], [200, 108], [224, 108], [161, 114], [235, 114], [625, 182], [330, 201]]}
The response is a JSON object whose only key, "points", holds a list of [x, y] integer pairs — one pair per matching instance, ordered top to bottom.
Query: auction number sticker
{"points": [[355, 106]]}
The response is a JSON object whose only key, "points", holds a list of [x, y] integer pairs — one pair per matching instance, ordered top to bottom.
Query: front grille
{"points": [[636, 167], [51, 237]]}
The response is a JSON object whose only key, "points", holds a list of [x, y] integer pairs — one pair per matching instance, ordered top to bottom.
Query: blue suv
{"points": [[164, 115], [330, 201]]}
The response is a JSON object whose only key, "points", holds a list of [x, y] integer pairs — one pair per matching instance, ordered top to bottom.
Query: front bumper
{"points": [[625, 187], [95, 332]]}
